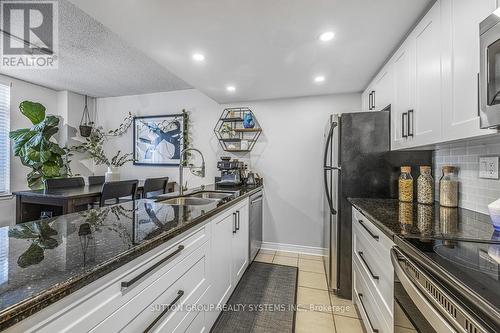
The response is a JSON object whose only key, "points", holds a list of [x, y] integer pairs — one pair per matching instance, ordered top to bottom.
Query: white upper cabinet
{"points": [[460, 22], [433, 75], [402, 98], [425, 119]]}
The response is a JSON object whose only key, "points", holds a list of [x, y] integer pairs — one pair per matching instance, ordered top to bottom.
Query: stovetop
{"points": [[476, 265]]}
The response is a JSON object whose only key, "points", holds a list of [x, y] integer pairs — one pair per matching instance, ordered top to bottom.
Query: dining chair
{"points": [[97, 180], [55, 183], [154, 187], [118, 190]]}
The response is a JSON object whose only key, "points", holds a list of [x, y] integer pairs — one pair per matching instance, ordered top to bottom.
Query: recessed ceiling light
{"points": [[326, 36], [198, 57], [319, 79], [231, 88]]}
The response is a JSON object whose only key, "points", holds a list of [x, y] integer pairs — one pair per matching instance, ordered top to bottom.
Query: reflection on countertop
{"points": [[412, 220], [42, 261]]}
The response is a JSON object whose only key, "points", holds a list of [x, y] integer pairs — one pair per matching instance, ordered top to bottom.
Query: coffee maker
{"points": [[231, 172]]}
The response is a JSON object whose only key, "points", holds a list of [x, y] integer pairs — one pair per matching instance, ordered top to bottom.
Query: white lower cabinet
{"points": [[372, 275], [172, 288]]}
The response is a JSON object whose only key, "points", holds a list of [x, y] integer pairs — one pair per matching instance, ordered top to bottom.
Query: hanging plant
{"points": [[85, 123]]}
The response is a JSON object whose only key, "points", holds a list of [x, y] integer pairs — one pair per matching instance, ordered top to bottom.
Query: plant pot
{"points": [[85, 130], [112, 175]]}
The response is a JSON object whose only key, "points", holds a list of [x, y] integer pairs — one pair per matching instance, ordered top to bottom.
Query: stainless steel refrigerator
{"points": [[357, 163]]}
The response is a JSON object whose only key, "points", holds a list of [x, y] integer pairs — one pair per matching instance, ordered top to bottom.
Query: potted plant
{"points": [[86, 124], [94, 147], [37, 148]]}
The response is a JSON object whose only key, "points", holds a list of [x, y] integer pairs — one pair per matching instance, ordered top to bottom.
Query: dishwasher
{"points": [[255, 228]]}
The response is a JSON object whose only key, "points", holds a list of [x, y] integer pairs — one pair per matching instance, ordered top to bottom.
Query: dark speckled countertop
{"points": [[411, 220], [43, 261]]}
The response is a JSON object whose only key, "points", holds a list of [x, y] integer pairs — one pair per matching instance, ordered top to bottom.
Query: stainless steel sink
{"points": [[211, 195], [188, 201]]}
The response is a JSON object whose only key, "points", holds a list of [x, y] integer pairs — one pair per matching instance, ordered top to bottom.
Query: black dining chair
{"points": [[97, 180], [56, 183], [154, 187], [118, 190]]}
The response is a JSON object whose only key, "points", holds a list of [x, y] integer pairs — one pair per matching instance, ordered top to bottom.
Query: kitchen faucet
{"points": [[181, 167]]}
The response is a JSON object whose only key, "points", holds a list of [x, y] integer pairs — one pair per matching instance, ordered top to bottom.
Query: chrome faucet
{"points": [[181, 167]]}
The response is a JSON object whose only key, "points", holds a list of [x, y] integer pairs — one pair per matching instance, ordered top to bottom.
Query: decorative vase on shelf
{"points": [[248, 121], [112, 175]]}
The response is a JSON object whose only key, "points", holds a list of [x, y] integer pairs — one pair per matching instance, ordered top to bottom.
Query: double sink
{"points": [[199, 198]]}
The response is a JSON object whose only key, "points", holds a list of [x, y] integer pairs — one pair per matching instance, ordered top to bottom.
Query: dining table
{"points": [[30, 204]]}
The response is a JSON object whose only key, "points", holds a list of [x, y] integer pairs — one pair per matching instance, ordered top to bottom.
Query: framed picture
{"points": [[158, 140]]}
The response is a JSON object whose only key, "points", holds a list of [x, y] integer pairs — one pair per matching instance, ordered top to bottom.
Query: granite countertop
{"points": [[412, 220], [43, 261]]}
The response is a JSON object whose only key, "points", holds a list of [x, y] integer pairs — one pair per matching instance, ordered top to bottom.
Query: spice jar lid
{"points": [[425, 168], [448, 168], [406, 169]]}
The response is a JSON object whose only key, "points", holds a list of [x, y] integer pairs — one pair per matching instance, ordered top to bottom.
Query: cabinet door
{"points": [[460, 21], [384, 88], [402, 99], [425, 122], [222, 234], [240, 243]]}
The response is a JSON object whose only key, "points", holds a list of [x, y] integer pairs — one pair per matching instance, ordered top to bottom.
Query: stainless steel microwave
{"points": [[489, 73]]}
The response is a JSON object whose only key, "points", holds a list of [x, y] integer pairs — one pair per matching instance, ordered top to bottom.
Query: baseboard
{"points": [[317, 251]]}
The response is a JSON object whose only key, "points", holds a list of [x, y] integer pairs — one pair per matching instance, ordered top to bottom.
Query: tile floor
{"points": [[319, 311]]}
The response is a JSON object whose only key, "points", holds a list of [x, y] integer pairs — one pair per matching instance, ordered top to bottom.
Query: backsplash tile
{"points": [[474, 193]]}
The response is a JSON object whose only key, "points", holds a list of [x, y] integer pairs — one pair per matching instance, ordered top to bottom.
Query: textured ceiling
{"points": [[265, 48], [95, 61]]}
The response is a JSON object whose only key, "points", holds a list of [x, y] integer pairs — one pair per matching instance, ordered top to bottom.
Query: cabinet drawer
{"points": [[372, 249], [164, 301], [89, 306], [373, 315]]}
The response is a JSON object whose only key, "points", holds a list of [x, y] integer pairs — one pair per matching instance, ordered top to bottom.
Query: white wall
{"points": [[204, 113], [289, 157]]}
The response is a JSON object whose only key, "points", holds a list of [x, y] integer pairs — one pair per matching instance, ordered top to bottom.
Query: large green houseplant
{"points": [[36, 146]]}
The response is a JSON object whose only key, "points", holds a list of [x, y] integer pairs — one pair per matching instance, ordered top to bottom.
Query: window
{"points": [[4, 138]]}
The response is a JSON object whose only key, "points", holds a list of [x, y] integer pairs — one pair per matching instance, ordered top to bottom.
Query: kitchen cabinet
{"points": [[460, 66], [434, 77], [379, 94], [402, 98], [424, 122], [239, 243], [200, 267], [373, 275]]}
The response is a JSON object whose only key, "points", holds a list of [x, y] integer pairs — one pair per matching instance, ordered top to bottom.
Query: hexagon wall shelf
{"points": [[237, 130]]}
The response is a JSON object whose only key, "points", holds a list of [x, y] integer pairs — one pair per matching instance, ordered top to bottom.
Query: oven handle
{"points": [[437, 321]]}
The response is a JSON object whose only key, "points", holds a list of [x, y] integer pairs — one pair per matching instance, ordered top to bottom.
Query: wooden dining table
{"points": [[60, 201]]}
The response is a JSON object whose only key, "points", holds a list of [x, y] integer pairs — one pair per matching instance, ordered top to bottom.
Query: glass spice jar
{"points": [[405, 183], [425, 186], [448, 187]]}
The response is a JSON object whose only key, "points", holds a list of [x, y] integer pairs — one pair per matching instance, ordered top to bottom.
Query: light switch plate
{"points": [[488, 167]]}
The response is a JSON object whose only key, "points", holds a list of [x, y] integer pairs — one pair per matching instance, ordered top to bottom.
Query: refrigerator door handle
{"points": [[327, 168]]}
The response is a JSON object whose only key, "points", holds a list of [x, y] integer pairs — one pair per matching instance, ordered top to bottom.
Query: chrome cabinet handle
{"points": [[370, 100], [373, 100], [412, 123], [403, 127], [258, 199], [237, 220], [234, 223], [368, 230], [360, 253], [125, 285], [180, 293], [374, 330]]}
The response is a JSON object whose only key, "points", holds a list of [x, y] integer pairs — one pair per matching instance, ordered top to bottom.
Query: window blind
{"points": [[4, 138]]}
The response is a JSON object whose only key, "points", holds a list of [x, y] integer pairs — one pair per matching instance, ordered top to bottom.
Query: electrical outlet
{"points": [[488, 167]]}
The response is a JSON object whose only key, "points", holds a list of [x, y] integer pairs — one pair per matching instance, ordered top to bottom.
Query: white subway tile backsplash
{"points": [[475, 193]]}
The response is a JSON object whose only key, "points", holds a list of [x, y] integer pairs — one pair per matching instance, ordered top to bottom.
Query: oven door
{"points": [[489, 76], [421, 303]]}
